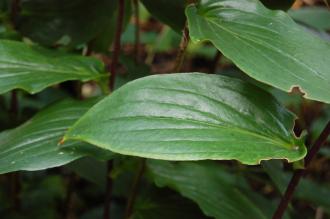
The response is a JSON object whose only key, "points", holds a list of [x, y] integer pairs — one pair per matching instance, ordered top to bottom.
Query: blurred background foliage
{"points": [[76, 190]]}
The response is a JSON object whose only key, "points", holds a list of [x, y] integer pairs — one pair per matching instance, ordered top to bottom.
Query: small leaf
{"points": [[267, 45], [33, 68], [191, 116], [34, 145], [213, 189]]}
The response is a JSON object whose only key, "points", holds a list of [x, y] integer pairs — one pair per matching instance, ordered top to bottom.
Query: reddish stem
{"points": [[137, 30], [117, 44], [182, 49], [300, 173], [134, 190]]}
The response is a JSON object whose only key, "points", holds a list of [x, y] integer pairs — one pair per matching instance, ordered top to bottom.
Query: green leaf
{"points": [[170, 12], [317, 17], [62, 22], [103, 40], [265, 44], [33, 68], [133, 71], [191, 116], [34, 145], [90, 169], [208, 185], [307, 190], [164, 204]]}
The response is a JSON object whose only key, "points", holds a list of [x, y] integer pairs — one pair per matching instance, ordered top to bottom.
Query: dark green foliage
{"points": [[78, 141]]}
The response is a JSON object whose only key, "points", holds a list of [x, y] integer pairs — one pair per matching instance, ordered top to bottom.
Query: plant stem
{"points": [[14, 10], [137, 31], [117, 43], [182, 49], [113, 68], [300, 173], [134, 190], [108, 192], [68, 207]]}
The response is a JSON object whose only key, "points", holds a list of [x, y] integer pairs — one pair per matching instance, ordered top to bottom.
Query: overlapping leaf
{"points": [[171, 12], [317, 17], [61, 22], [265, 44], [33, 68], [191, 116], [34, 145], [208, 185]]}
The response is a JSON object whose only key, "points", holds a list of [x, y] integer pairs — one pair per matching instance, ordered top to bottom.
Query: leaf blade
{"points": [[267, 45], [34, 68], [191, 116], [34, 145], [218, 194]]}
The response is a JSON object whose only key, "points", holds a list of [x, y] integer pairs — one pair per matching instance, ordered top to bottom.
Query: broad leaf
{"points": [[170, 12], [317, 17], [62, 22], [265, 44], [33, 68], [191, 116], [34, 145], [208, 185], [164, 204]]}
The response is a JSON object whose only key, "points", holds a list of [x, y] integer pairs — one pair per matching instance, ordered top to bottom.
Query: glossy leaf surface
{"points": [[267, 45], [33, 68], [191, 116], [34, 145]]}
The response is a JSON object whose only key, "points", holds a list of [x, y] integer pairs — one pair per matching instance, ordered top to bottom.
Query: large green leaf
{"points": [[171, 12], [317, 17], [56, 22], [265, 44], [33, 68], [191, 116], [34, 145], [208, 185], [164, 204]]}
